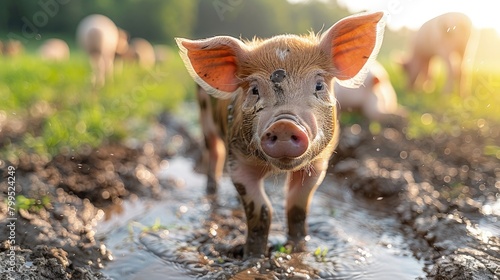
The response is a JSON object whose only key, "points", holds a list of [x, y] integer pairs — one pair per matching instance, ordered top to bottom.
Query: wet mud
{"points": [[390, 208]]}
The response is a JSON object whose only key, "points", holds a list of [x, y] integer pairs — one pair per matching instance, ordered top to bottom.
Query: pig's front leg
{"points": [[249, 182], [302, 185]]}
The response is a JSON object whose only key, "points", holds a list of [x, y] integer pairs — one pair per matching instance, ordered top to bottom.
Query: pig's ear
{"points": [[351, 44], [213, 63]]}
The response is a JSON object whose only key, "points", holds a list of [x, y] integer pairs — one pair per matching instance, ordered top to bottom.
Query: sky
{"points": [[413, 13]]}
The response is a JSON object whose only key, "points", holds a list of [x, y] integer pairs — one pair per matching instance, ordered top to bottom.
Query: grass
{"points": [[63, 112], [433, 112], [31, 204], [155, 227], [320, 254]]}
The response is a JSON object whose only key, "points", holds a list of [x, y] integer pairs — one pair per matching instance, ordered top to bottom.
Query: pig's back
{"points": [[449, 31], [97, 33], [54, 49]]}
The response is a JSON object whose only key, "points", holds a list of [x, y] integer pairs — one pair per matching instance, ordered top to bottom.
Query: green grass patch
{"points": [[63, 111], [433, 111], [31, 204], [155, 227], [320, 254]]}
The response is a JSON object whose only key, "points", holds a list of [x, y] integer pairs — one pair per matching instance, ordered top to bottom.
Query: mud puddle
{"points": [[391, 208], [186, 236]]}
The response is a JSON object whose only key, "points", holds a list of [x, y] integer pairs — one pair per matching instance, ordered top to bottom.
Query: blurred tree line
{"points": [[161, 20]]}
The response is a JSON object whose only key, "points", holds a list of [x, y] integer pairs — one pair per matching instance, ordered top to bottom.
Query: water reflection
{"points": [[355, 240]]}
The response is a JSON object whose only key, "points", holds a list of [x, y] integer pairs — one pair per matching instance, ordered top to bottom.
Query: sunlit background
{"points": [[412, 13]]}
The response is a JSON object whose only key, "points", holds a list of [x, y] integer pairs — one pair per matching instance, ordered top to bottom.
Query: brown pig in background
{"points": [[273, 110]]}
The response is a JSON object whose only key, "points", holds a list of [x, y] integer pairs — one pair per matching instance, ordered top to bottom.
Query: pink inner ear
{"points": [[352, 42], [216, 66]]}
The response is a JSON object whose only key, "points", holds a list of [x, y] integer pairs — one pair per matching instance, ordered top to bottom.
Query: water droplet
{"points": [[426, 119], [355, 129], [403, 154], [183, 209]]}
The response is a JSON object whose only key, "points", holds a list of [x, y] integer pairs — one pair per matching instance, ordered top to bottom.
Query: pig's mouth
{"points": [[285, 142]]}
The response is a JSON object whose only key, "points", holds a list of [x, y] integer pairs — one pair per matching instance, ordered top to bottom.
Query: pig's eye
{"points": [[319, 86], [255, 91]]}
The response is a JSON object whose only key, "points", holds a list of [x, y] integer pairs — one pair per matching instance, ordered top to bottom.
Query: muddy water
{"points": [[355, 238]]}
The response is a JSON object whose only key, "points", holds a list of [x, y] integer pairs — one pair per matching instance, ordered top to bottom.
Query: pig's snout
{"points": [[284, 139]]}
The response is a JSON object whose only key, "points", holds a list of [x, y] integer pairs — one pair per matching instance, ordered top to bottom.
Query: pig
{"points": [[444, 36], [101, 39], [122, 46], [11, 48], [54, 49], [142, 52], [375, 98], [274, 111]]}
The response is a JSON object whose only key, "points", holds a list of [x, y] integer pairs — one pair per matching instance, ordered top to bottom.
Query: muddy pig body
{"points": [[375, 98], [267, 106]]}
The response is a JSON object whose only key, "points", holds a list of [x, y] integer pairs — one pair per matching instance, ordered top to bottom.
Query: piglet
{"points": [[443, 36], [99, 37], [54, 50], [375, 98], [269, 107]]}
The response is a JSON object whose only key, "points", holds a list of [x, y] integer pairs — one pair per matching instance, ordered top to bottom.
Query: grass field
{"points": [[57, 105], [60, 111], [432, 111]]}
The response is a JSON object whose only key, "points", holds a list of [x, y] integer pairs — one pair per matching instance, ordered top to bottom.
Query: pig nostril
{"points": [[271, 137], [294, 138]]}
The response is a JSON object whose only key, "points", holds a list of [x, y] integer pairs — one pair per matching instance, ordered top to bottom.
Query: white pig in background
{"points": [[100, 38], [54, 49], [142, 52], [375, 98]]}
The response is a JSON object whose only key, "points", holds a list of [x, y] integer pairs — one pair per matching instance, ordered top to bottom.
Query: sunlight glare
{"points": [[412, 14]]}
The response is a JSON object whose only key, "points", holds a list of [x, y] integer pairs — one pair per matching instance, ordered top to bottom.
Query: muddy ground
{"points": [[443, 189]]}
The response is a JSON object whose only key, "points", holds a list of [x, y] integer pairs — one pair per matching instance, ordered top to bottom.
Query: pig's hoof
{"points": [[212, 187], [297, 246], [237, 251]]}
